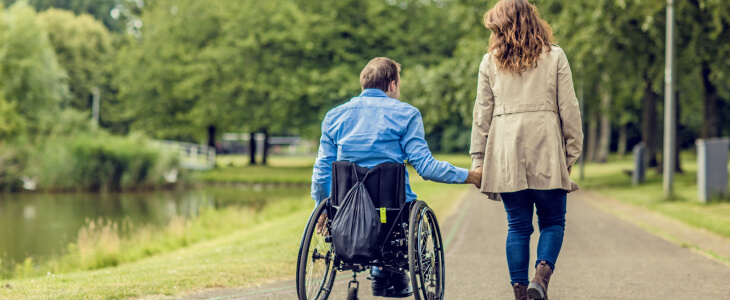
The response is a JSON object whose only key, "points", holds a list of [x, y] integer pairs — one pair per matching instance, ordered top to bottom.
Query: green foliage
{"points": [[100, 9], [626, 40], [83, 48], [276, 65], [185, 67], [168, 77], [32, 82], [445, 95], [10, 122], [98, 162], [25, 269]]}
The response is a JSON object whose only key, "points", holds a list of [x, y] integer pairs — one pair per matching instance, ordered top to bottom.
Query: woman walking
{"points": [[526, 136]]}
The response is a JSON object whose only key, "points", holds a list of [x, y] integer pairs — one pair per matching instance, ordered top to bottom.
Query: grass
{"points": [[235, 168], [281, 169], [610, 180], [103, 243], [260, 251]]}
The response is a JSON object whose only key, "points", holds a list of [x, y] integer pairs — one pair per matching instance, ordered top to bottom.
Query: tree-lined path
{"points": [[604, 257]]}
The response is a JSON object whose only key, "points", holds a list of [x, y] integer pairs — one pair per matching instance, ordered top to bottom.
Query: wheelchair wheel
{"points": [[425, 253], [315, 264]]}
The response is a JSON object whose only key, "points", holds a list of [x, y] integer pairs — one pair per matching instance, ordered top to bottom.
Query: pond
{"points": [[40, 225]]}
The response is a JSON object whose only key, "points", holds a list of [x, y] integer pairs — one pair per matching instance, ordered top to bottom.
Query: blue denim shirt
{"points": [[371, 129]]}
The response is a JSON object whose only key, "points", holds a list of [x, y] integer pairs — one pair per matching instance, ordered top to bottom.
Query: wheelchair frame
{"points": [[404, 248]]}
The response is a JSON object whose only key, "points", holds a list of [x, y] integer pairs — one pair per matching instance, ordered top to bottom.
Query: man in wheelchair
{"points": [[375, 128]]}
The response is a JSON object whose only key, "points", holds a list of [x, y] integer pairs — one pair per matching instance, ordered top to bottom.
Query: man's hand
{"points": [[475, 177], [321, 228]]}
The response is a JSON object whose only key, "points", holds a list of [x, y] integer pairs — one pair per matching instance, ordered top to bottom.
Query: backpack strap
{"points": [[354, 172]]}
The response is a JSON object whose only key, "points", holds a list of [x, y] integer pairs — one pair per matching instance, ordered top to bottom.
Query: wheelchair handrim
{"points": [[430, 261], [318, 269], [311, 284]]}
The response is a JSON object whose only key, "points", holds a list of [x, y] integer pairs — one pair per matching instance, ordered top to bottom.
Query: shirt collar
{"points": [[373, 93]]}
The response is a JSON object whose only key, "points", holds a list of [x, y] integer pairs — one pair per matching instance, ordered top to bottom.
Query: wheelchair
{"points": [[412, 241]]}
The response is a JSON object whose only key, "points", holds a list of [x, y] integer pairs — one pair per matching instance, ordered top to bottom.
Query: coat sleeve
{"points": [[483, 109], [569, 111]]}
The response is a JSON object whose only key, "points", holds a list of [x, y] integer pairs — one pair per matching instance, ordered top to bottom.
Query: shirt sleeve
{"points": [[483, 109], [419, 155], [322, 173]]}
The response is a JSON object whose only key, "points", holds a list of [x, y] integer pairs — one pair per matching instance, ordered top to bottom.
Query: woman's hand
{"points": [[475, 177]]}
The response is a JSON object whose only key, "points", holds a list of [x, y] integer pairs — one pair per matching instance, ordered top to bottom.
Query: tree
{"points": [[99, 9], [703, 33], [620, 39], [83, 47], [270, 67], [168, 79], [32, 82], [445, 90], [10, 122]]}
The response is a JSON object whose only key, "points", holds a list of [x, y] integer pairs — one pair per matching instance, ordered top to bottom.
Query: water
{"points": [[40, 225]]}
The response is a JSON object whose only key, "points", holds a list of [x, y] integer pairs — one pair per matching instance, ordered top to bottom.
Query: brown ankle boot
{"points": [[538, 288], [520, 291]]}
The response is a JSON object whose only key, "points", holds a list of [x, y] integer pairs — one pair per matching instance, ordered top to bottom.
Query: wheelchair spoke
{"points": [[426, 257], [430, 257], [319, 263], [427, 268]]}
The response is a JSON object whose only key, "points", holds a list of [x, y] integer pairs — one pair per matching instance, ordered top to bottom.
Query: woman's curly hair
{"points": [[519, 35]]}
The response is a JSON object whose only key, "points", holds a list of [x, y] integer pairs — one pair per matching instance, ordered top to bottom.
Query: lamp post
{"points": [[670, 121]]}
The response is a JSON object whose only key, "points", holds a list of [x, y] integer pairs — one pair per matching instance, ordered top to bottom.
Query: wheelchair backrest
{"points": [[386, 183]]}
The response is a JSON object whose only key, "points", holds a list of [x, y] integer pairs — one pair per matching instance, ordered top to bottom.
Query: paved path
{"points": [[603, 257]]}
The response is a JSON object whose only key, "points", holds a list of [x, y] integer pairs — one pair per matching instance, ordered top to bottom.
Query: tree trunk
{"points": [[709, 111], [649, 122], [211, 136], [592, 139], [622, 140], [605, 142], [252, 149], [265, 151]]}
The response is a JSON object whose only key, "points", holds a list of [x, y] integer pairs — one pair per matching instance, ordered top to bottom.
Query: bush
{"points": [[97, 161]]}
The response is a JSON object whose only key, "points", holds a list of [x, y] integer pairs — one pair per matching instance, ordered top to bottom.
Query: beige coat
{"points": [[527, 131]]}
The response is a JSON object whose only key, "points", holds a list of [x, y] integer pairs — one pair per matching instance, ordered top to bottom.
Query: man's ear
{"points": [[391, 87]]}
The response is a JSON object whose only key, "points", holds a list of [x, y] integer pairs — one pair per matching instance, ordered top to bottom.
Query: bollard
{"points": [[712, 164], [639, 173]]}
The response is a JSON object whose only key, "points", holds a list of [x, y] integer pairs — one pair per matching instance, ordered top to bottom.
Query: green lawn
{"points": [[235, 168], [280, 169], [610, 180], [261, 251]]}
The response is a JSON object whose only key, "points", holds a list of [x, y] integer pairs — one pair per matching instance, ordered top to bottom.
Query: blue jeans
{"points": [[551, 208]]}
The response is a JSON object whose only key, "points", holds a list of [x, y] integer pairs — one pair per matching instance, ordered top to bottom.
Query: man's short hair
{"points": [[378, 73]]}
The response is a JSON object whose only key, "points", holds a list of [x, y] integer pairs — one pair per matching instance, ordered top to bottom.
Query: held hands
{"points": [[475, 177]]}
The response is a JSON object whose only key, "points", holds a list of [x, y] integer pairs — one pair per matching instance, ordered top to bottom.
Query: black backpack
{"points": [[356, 226]]}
